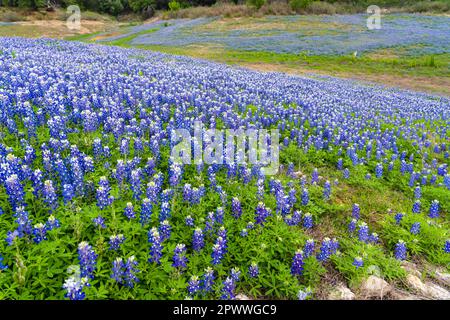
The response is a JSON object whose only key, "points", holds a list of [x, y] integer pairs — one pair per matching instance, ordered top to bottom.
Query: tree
{"points": [[140, 5]]}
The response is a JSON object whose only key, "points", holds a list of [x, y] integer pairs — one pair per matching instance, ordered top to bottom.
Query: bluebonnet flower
{"points": [[97, 148], [340, 164], [379, 170], [346, 173], [175, 175], [315, 176], [136, 184], [260, 186], [14, 189], [327, 190], [152, 192], [187, 192], [417, 192], [68, 193], [50, 195], [305, 196], [104, 199], [416, 206], [236, 207], [434, 209], [129, 211], [146, 211], [165, 211], [356, 211], [261, 213], [220, 214], [398, 217], [294, 219], [23, 220], [99, 221], [189, 221], [308, 221], [52, 223], [209, 225], [352, 225], [415, 228], [165, 230], [244, 232], [363, 232], [39, 233], [11, 236], [374, 238], [198, 239], [115, 241], [155, 246], [447, 246], [326, 249], [308, 250], [400, 250], [218, 251], [179, 257], [87, 258], [358, 262], [297, 263], [2, 266], [117, 270], [253, 270], [130, 271], [235, 274], [208, 280], [193, 285], [74, 286], [228, 289], [304, 294]]}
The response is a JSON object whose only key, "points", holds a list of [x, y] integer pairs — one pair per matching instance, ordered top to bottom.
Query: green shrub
{"points": [[256, 3], [299, 4], [174, 5], [321, 7], [10, 17]]}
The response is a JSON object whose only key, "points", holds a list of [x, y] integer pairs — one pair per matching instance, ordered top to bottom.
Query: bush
{"points": [[256, 3], [174, 5], [298, 5], [430, 6], [321, 7], [10, 17]]}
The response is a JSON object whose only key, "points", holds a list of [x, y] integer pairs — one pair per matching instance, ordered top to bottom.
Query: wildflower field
{"points": [[92, 206]]}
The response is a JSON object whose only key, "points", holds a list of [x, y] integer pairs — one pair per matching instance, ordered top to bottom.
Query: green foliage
{"points": [[256, 3], [299, 4], [140, 5], [174, 5], [113, 7]]}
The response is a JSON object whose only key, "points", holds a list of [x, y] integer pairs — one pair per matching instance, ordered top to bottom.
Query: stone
{"points": [[411, 268], [442, 277], [416, 284], [374, 286], [428, 289], [341, 292], [436, 292], [402, 295], [241, 296]]}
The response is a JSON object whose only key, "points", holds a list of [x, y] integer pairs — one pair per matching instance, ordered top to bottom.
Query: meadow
{"points": [[410, 50], [92, 206]]}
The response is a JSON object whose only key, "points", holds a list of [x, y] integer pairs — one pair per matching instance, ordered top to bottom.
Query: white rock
{"points": [[411, 268], [442, 277], [416, 284], [374, 286], [429, 289], [341, 292], [436, 292], [241, 296]]}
